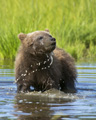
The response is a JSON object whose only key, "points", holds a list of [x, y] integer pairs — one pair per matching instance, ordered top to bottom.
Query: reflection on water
{"points": [[52, 104]]}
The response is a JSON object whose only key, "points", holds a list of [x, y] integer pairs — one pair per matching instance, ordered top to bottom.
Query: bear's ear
{"points": [[47, 30], [22, 36]]}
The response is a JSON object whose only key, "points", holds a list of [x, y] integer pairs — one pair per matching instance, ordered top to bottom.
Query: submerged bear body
{"points": [[40, 64]]}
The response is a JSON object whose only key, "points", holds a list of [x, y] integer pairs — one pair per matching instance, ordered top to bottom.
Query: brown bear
{"points": [[40, 64]]}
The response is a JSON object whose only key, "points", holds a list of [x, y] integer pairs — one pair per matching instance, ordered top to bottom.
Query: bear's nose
{"points": [[53, 39]]}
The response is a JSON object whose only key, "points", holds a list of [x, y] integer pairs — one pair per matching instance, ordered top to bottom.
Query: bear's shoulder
{"points": [[62, 55]]}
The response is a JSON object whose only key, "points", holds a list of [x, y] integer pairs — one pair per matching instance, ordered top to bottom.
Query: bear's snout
{"points": [[53, 39]]}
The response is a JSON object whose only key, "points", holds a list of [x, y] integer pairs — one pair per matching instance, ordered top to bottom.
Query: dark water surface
{"points": [[50, 105]]}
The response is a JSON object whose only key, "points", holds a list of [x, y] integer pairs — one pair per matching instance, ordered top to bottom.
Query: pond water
{"points": [[52, 104]]}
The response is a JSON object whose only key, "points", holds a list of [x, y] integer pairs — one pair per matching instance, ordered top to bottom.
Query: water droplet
{"points": [[47, 55], [48, 59], [45, 62], [39, 63], [22, 74], [25, 84], [25, 99], [20, 101], [29, 102], [37, 102], [40, 109]]}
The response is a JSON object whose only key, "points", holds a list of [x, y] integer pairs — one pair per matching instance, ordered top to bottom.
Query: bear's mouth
{"points": [[53, 44], [50, 47]]}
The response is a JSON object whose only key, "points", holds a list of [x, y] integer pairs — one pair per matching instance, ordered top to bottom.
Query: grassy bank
{"points": [[71, 22]]}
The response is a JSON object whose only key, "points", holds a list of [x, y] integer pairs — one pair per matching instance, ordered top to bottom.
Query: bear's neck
{"points": [[37, 63], [34, 64]]}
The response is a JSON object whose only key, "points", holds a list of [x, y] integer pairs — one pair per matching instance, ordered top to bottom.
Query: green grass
{"points": [[71, 22]]}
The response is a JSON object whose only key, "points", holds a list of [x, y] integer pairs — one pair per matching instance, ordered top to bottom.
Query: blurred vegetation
{"points": [[71, 22]]}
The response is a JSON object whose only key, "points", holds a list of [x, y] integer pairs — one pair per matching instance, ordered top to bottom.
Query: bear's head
{"points": [[38, 42]]}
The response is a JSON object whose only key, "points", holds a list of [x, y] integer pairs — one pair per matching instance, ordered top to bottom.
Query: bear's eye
{"points": [[41, 37], [31, 45]]}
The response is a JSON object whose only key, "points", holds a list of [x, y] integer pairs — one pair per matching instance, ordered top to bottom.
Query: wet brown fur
{"points": [[61, 75]]}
